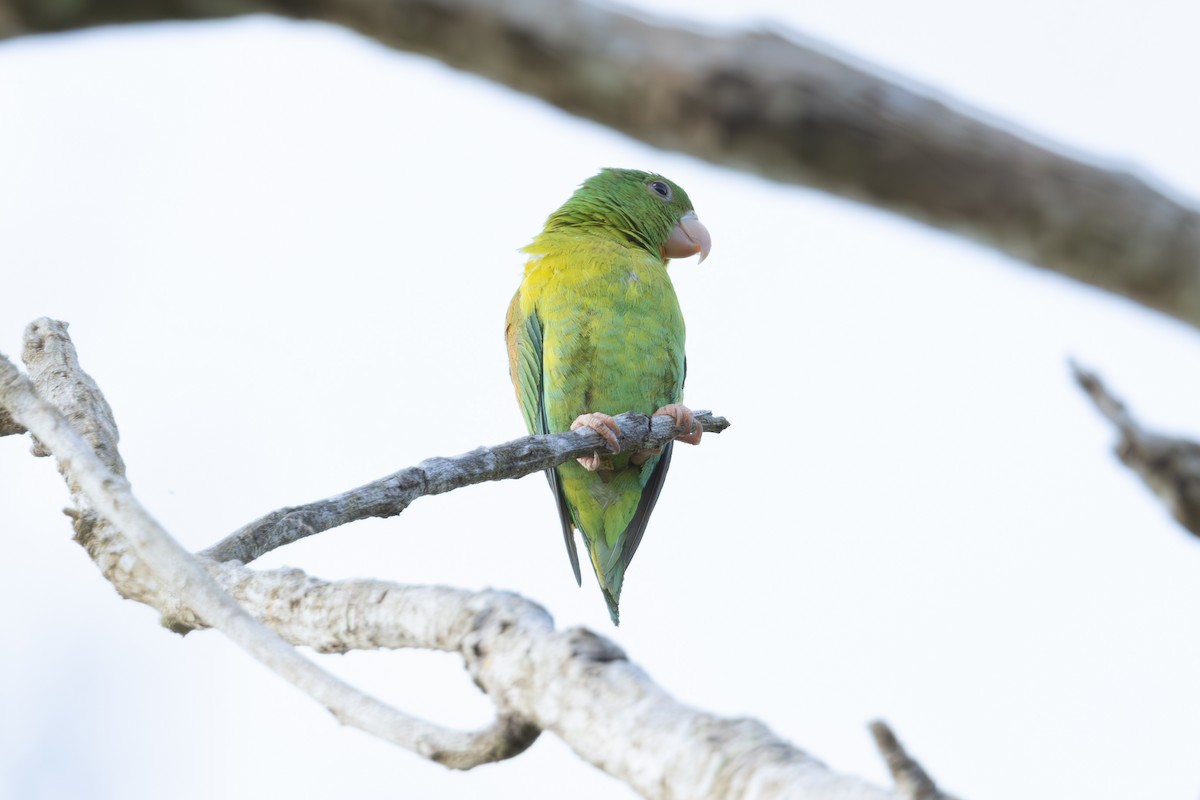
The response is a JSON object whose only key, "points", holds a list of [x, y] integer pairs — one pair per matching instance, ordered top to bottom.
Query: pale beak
{"points": [[687, 238]]}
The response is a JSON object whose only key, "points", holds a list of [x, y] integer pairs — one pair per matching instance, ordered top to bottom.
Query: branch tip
{"points": [[912, 782]]}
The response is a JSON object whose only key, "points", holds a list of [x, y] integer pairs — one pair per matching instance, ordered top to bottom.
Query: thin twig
{"points": [[1112, 408], [1169, 465], [388, 496], [912, 782]]}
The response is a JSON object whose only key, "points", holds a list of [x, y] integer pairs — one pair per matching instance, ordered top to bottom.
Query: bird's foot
{"points": [[685, 421], [604, 425]]}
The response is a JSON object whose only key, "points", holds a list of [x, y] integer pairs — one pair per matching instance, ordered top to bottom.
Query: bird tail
{"points": [[610, 574], [612, 600]]}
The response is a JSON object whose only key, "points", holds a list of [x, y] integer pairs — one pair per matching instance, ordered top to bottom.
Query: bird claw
{"points": [[685, 420], [604, 425]]}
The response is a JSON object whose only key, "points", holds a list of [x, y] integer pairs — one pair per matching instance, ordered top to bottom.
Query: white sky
{"points": [[285, 254]]}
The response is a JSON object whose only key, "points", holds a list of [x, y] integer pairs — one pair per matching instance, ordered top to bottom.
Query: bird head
{"points": [[641, 208]]}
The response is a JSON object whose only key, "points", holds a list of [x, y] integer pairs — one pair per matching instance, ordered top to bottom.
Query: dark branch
{"points": [[774, 105], [1169, 465], [390, 495], [912, 782]]}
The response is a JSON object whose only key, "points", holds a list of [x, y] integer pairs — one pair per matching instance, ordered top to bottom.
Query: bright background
{"points": [[285, 253]]}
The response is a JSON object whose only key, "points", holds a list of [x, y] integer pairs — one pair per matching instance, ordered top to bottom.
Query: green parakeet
{"points": [[595, 329]]}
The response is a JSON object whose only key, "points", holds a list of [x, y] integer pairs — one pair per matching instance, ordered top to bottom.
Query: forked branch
{"points": [[144, 562], [539, 678]]}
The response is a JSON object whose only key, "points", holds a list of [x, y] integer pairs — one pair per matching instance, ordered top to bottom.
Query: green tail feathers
{"points": [[598, 507], [609, 565], [611, 576], [612, 601]]}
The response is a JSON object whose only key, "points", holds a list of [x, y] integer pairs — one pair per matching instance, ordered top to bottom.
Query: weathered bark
{"points": [[775, 106], [72, 421], [539, 678]]}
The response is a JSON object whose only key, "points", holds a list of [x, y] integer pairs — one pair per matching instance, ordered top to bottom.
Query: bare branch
{"points": [[775, 105], [54, 367], [1108, 405], [1169, 465], [388, 496], [146, 564], [539, 678], [565, 682], [912, 782]]}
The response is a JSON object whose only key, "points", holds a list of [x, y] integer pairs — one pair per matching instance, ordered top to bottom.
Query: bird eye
{"points": [[660, 189]]}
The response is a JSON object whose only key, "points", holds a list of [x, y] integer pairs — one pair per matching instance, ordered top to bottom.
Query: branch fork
{"points": [[538, 677]]}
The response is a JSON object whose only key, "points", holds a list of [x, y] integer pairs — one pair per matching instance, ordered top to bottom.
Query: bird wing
{"points": [[524, 337], [637, 525], [631, 537]]}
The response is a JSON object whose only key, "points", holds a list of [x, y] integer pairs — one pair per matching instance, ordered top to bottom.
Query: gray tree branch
{"points": [[776, 105], [1169, 465], [388, 496], [538, 678], [912, 782]]}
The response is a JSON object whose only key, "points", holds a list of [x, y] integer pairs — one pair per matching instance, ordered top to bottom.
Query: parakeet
{"points": [[595, 330]]}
